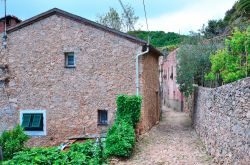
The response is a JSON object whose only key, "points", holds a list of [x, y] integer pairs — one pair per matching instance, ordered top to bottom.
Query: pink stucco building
{"points": [[172, 97]]}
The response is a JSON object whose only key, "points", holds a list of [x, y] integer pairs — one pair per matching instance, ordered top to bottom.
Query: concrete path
{"points": [[172, 142]]}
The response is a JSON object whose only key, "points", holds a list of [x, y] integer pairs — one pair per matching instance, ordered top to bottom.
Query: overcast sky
{"points": [[166, 15]]}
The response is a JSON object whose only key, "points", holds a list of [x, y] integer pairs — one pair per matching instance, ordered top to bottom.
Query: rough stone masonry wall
{"points": [[71, 97], [150, 114], [222, 119], [7, 121]]}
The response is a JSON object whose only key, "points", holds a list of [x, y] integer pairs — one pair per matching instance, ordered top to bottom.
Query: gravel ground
{"points": [[172, 141]]}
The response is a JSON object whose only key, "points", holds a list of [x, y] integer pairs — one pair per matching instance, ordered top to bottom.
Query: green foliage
{"points": [[243, 7], [237, 16], [111, 19], [124, 21], [214, 28], [159, 38], [193, 63], [232, 64], [128, 108], [121, 136], [120, 139], [12, 141], [86, 148], [79, 154]]}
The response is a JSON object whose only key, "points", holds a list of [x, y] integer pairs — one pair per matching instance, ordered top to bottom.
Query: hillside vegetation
{"points": [[159, 39], [218, 54]]}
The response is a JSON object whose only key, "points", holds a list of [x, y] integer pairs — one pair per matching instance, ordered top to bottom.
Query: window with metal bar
{"points": [[70, 60], [102, 117]]}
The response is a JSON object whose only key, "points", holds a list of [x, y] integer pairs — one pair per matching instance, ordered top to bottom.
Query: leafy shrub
{"points": [[232, 63], [128, 109], [121, 136], [120, 139], [13, 141], [86, 148], [79, 154], [37, 156]]}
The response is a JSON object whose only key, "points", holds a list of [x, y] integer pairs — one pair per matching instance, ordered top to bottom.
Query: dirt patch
{"points": [[172, 141]]}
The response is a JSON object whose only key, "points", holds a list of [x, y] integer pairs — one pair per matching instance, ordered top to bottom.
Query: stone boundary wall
{"points": [[221, 117]]}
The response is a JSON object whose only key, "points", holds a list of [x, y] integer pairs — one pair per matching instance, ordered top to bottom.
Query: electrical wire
{"points": [[145, 13]]}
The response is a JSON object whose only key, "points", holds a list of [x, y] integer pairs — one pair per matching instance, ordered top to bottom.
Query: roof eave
{"points": [[75, 18]]}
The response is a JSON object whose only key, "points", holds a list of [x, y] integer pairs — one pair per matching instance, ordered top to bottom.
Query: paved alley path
{"points": [[171, 142]]}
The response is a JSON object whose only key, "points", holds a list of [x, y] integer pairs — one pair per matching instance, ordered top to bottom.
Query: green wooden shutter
{"points": [[37, 119], [26, 120]]}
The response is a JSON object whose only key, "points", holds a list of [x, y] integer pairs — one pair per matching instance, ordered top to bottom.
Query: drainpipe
{"points": [[137, 69]]}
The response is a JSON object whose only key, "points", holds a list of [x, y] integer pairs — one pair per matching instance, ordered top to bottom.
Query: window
{"points": [[70, 60], [168, 74], [171, 76], [102, 117], [33, 122]]}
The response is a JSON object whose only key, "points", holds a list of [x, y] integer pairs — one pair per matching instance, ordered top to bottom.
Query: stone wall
{"points": [[150, 87], [7, 112], [221, 117]]}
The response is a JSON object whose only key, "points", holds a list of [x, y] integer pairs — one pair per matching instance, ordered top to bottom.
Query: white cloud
{"points": [[190, 18]]}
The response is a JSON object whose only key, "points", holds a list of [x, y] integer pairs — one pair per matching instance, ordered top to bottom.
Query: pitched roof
{"points": [[9, 17], [80, 20]]}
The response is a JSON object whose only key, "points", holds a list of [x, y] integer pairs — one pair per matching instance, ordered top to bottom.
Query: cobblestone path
{"points": [[173, 141]]}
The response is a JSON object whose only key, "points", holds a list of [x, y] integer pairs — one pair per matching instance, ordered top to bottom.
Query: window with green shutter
{"points": [[26, 120], [33, 122]]}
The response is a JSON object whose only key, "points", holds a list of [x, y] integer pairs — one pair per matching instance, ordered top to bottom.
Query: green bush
{"points": [[232, 63], [129, 109], [121, 136], [120, 139], [12, 141], [86, 148], [79, 154]]}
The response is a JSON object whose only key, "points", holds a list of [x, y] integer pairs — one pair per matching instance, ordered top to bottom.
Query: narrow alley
{"points": [[173, 141]]}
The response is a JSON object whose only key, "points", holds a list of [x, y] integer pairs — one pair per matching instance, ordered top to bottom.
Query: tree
{"points": [[243, 7], [128, 18], [111, 19], [123, 22], [214, 28], [159, 38], [193, 62], [232, 63]]}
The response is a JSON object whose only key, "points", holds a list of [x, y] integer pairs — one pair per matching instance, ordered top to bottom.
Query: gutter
{"points": [[137, 69]]}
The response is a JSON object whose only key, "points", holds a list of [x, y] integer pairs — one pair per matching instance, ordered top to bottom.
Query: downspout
{"points": [[137, 69]]}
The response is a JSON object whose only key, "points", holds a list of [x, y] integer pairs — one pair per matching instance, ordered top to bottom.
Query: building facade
{"points": [[62, 74], [172, 97]]}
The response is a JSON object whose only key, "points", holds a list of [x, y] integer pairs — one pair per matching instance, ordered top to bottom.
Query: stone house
{"points": [[10, 21], [60, 76], [171, 95]]}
